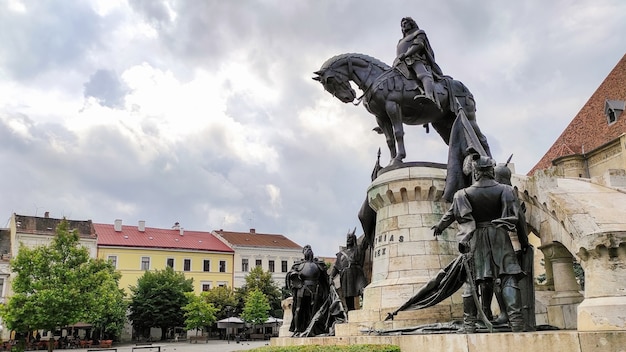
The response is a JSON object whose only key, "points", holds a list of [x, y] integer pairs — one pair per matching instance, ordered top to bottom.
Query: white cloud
{"points": [[16, 6], [221, 125]]}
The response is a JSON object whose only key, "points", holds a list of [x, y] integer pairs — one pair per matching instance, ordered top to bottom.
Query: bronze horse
{"points": [[390, 96]]}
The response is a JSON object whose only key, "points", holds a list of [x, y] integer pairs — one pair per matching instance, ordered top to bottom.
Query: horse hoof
{"points": [[396, 162]]}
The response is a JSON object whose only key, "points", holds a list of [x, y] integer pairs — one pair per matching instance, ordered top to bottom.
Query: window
{"points": [[613, 109], [113, 260], [170, 262], [258, 262], [145, 263], [187, 265], [207, 265], [244, 265], [222, 266], [271, 266], [283, 266], [222, 284], [205, 286], [2, 287]]}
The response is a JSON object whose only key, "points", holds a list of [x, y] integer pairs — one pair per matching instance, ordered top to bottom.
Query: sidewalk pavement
{"points": [[185, 346]]}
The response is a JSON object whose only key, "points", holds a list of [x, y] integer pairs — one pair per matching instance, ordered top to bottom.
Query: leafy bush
{"points": [[319, 348]]}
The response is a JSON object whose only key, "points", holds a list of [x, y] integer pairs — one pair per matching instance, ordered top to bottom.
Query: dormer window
{"points": [[613, 109]]}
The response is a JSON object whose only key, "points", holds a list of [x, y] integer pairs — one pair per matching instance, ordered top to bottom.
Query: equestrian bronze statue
{"points": [[389, 94]]}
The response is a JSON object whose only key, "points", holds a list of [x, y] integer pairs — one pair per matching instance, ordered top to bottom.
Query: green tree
{"points": [[262, 281], [56, 285], [221, 297], [158, 299], [256, 308], [198, 312], [108, 314]]}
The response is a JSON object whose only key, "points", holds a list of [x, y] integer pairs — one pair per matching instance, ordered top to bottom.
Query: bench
{"points": [[146, 346]]}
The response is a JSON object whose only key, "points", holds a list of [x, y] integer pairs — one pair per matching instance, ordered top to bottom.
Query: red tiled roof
{"points": [[589, 129], [130, 236], [255, 239], [330, 260]]}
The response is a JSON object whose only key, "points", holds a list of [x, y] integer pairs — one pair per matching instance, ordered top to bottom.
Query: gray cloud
{"points": [[46, 36], [105, 86], [297, 163]]}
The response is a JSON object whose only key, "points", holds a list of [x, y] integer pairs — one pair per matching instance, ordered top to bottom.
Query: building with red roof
{"points": [[593, 145], [136, 249], [272, 252]]}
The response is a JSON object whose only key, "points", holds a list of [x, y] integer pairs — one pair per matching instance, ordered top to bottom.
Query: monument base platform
{"points": [[564, 340]]}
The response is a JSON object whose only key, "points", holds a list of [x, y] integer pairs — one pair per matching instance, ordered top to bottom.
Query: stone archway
{"points": [[576, 216]]}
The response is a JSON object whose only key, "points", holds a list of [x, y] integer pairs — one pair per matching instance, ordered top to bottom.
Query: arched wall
{"points": [[587, 220]]}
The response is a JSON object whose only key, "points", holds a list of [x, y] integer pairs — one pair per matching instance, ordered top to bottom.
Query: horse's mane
{"points": [[372, 60]]}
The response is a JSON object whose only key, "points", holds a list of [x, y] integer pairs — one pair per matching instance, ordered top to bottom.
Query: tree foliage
{"points": [[257, 279], [58, 285], [220, 297], [158, 299], [256, 308], [199, 313], [108, 314]]}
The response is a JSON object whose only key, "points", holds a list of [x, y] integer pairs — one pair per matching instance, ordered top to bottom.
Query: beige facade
{"points": [[594, 163], [272, 252]]}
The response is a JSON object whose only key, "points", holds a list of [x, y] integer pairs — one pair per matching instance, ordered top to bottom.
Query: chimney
{"points": [[46, 214], [118, 225], [141, 226], [176, 226], [252, 230], [182, 231]]}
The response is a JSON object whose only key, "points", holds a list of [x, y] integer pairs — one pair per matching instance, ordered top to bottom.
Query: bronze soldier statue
{"points": [[415, 51], [486, 212], [524, 253], [349, 267], [308, 282]]}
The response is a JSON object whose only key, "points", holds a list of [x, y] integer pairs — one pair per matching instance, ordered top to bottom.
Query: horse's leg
{"points": [[395, 115], [387, 130]]}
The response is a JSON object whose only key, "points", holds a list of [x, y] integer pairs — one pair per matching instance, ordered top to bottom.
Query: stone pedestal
{"points": [[406, 255], [563, 304], [604, 307]]}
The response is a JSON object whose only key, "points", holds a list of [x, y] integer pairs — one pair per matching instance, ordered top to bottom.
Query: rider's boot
{"points": [[429, 90]]}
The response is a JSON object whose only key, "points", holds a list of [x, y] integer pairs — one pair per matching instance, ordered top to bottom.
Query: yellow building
{"points": [[135, 249]]}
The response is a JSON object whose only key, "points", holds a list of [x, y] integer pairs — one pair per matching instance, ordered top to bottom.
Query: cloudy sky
{"points": [[204, 112]]}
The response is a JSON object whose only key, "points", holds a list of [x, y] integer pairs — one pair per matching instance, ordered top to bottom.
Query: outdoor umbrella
{"points": [[272, 320], [231, 322]]}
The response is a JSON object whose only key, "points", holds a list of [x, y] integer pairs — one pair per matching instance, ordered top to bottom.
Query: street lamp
{"points": [[229, 311]]}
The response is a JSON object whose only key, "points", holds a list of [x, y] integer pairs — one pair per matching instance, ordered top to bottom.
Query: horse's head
{"points": [[337, 84]]}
